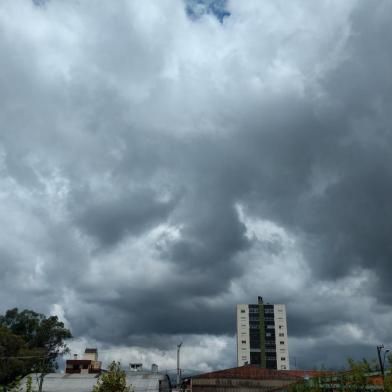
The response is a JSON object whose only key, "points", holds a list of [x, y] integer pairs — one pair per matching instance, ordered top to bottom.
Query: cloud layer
{"points": [[162, 161]]}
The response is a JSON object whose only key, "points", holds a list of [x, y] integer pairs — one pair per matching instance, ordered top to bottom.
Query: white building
{"points": [[262, 335]]}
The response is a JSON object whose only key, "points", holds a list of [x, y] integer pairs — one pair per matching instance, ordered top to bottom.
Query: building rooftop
{"points": [[255, 372], [145, 380], [57, 382]]}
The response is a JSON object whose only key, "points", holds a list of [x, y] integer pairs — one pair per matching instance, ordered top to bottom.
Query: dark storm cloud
{"points": [[146, 140], [110, 221], [347, 224]]}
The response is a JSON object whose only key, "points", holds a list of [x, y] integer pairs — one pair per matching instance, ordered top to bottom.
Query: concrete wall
{"points": [[243, 347], [282, 348], [91, 356]]}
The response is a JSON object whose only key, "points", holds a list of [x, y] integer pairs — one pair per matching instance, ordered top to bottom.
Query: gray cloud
{"points": [[158, 168]]}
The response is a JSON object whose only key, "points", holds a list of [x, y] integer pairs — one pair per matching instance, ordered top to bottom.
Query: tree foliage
{"points": [[30, 342], [388, 375], [355, 379], [112, 381]]}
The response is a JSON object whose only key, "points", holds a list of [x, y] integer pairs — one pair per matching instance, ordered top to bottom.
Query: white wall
{"points": [[243, 347], [282, 348]]}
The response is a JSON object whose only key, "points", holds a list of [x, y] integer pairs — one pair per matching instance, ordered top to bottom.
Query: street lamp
{"points": [[178, 365]]}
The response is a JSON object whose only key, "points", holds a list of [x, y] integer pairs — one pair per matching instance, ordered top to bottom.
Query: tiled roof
{"points": [[257, 373]]}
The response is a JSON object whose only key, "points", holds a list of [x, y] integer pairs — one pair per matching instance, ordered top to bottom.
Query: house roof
{"points": [[255, 372], [143, 380], [57, 382], [60, 382]]}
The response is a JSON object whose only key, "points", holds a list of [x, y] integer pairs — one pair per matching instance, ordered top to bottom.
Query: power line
{"points": [[30, 356]]}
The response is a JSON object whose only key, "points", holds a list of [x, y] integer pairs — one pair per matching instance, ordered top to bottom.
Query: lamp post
{"points": [[178, 365]]}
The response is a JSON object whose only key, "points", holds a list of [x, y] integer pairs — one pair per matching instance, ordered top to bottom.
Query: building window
{"points": [[242, 310], [281, 334], [243, 341], [281, 342], [282, 358]]}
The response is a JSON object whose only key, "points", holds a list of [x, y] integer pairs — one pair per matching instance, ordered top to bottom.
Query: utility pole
{"points": [[379, 349], [178, 365]]}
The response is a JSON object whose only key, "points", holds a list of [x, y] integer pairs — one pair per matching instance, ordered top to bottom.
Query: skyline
{"points": [[163, 161]]}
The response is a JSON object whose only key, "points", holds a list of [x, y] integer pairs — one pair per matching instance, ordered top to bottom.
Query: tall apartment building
{"points": [[262, 335]]}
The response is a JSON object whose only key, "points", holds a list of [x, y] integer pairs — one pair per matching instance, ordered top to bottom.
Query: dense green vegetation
{"points": [[30, 342], [360, 376], [112, 381]]}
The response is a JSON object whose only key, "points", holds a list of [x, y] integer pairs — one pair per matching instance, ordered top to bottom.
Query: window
{"points": [[242, 310], [280, 326], [268, 334], [281, 334], [243, 341], [281, 342], [282, 358]]}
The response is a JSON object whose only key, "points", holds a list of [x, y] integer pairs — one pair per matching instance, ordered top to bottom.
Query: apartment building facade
{"points": [[262, 335]]}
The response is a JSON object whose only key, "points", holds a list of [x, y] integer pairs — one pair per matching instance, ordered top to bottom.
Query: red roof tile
{"points": [[256, 372]]}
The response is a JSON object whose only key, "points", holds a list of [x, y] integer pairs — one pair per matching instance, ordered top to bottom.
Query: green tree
{"points": [[31, 342], [15, 357], [358, 374], [388, 375], [112, 381]]}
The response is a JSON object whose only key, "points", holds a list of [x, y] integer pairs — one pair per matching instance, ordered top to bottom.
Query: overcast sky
{"points": [[163, 160]]}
